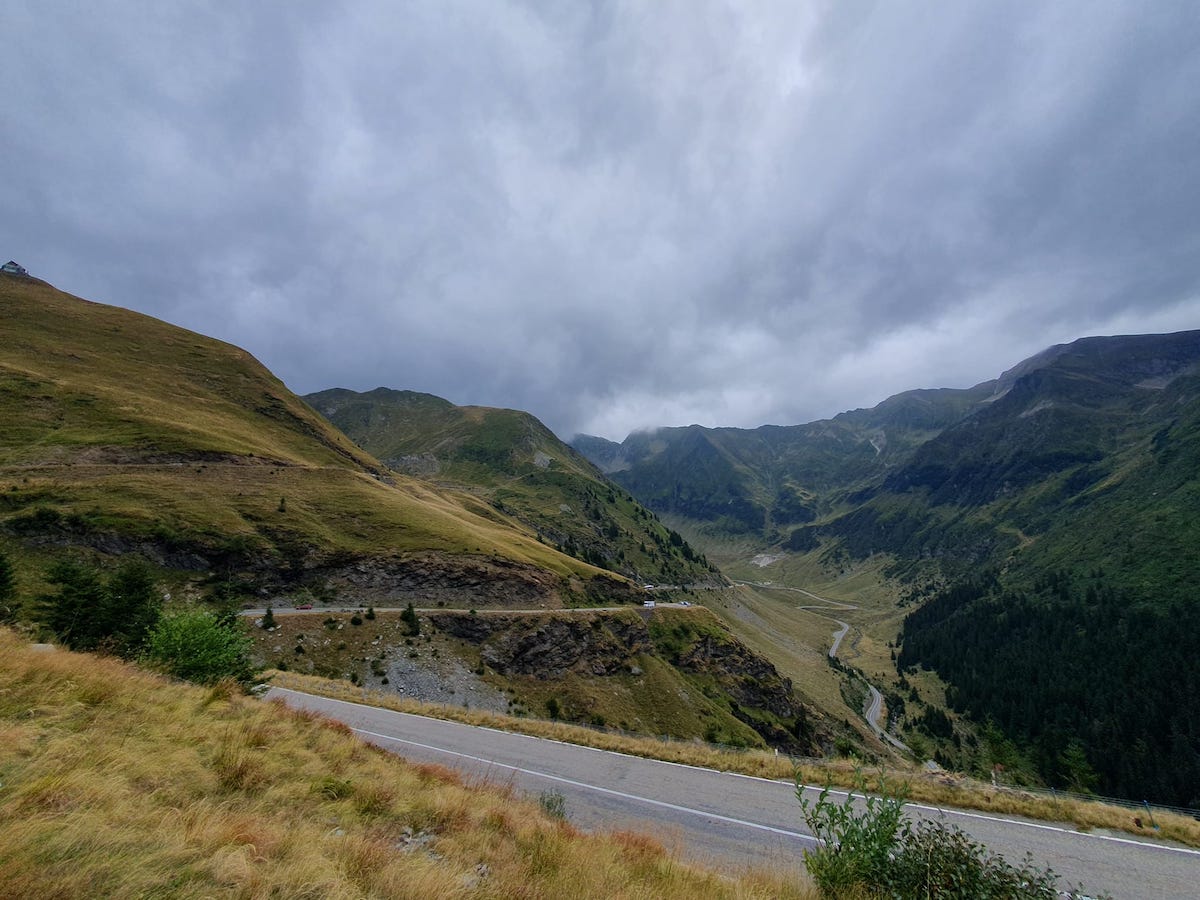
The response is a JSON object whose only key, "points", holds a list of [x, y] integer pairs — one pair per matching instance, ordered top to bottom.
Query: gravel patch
{"points": [[442, 679]]}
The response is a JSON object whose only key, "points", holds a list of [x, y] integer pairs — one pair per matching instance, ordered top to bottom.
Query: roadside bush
{"points": [[197, 647], [553, 804], [857, 842], [869, 849], [936, 860]]}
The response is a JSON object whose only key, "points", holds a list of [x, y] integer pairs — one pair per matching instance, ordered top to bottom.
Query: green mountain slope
{"points": [[119, 432], [1087, 458], [521, 469], [766, 480], [1049, 522]]}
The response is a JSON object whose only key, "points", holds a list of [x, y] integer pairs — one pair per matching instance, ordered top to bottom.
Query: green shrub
{"points": [[197, 647], [553, 804], [857, 840], [869, 849], [936, 860]]}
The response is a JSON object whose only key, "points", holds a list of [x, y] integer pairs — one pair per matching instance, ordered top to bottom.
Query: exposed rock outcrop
{"points": [[427, 578], [550, 646], [751, 680]]}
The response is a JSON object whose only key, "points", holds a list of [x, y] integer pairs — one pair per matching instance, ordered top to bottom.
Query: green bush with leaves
{"points": [[197, 646], [857, 841], [869, 849], [936, 860]]}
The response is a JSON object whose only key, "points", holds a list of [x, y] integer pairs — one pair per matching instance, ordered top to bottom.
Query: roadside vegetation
{"points": [[119, 783], [870, 849]]}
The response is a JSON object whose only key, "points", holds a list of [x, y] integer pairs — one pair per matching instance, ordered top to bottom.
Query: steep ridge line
{"points": [[873, 705]]}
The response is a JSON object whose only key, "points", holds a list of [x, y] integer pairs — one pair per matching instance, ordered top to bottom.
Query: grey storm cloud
{"points": [[614, 215]]}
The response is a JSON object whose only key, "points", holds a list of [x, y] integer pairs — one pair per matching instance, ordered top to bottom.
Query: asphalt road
{"points": [[580, 610], [873, 706], [733, 820]]}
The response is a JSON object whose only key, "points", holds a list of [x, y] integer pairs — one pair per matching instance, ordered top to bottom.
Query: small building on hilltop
{"points": [[13, 268]]}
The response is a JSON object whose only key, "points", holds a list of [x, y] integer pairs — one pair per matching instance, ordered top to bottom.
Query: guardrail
{"points": [[1150, 808]]}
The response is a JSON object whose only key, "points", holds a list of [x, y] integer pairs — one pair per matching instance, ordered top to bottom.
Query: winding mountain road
{"points": [[873, 704], [729, 820]]}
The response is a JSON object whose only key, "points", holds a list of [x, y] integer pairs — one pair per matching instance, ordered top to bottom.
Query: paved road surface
{"points": [[496, 611], [837, 636], [731, 820]]}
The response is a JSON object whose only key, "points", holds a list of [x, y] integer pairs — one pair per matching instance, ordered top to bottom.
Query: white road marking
{"points": [[591, 787], [945, 811]]}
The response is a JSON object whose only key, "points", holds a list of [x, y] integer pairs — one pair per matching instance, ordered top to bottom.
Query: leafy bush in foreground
{"points": [[857, 844], [871, 850]]}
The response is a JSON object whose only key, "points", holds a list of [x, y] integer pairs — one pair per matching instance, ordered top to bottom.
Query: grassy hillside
{"points": [[122, 433], [520, 468], [117, 783]]}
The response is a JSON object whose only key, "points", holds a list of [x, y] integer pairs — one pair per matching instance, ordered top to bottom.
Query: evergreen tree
{"points": [[132, 607], [8, 610], [75, 612], [89, 612], [409, 616]]}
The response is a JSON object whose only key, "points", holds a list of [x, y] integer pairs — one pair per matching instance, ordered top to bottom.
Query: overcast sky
{"points": [[614, 215]]}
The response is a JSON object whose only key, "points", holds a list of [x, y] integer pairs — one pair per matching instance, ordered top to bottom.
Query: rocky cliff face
{"points": [[425, 579], [547, 647], [750, 679]]}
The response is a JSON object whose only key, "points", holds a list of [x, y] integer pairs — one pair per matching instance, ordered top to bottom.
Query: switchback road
{"points": [[873, 704], [732, 820]]}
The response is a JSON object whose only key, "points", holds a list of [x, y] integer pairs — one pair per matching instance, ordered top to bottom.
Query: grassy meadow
{"points": [[117, 783]]}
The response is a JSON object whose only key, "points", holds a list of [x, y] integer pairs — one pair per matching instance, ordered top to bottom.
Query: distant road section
{"points": [[873, 705], [733, 820]]}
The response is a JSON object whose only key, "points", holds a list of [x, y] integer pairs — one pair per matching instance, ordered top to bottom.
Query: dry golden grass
{"points": [[117, 783], [937, 790]]}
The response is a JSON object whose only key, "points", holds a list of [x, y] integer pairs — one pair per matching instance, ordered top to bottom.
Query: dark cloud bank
{"points": [[614, 215]]}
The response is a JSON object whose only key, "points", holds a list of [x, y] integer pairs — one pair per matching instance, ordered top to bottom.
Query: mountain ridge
{"points": [[120, 432], [514, 462]]}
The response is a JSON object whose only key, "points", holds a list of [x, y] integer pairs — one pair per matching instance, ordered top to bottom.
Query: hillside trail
{"points": [[873, 704]]}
